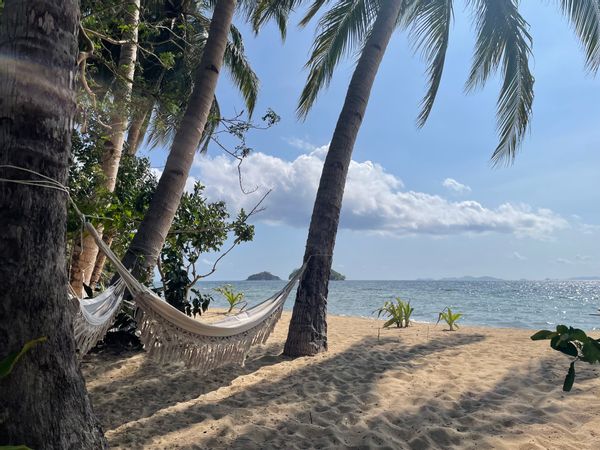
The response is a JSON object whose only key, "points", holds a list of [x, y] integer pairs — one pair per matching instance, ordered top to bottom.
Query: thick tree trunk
{"points": [[113, 149], [150, 237], [308, 327], [44, 404]]}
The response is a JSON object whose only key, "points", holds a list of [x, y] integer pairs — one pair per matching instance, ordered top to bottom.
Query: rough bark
{"points": [[113, 148], [146, 245], [308, 327], [44, 404]]}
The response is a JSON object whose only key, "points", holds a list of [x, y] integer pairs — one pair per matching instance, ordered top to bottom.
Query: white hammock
{"points": [[168, 334]]}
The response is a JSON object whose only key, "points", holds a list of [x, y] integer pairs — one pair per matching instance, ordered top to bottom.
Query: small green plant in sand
{"points": [[235, 299], [399, 313], [450, 318], [572, 342]]}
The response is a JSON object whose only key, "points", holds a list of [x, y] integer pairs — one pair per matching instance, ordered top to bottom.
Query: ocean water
{"points": [[520, 304]]}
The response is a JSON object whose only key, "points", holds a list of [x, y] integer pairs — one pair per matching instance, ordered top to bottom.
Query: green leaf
{"points": [[389, 323], [562, 329], [543, 334], [578, 335], [568, 349], [591, 352], [8, 363], [570, 378]]}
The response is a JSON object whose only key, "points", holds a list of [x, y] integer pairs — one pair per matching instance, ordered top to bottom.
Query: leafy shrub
{"points": [[233, 298], [398, 312], [449, 317], [572, 342]]}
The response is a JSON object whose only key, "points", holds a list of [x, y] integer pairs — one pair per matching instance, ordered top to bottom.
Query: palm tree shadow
{"points": [[154, 386], [351, 388]]}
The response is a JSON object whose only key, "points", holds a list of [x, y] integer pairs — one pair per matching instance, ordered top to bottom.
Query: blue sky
{"points": [[423, 202]]}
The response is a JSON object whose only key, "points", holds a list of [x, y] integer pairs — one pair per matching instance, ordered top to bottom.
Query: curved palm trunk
{"points": [[139, 124], [113, 149], [150, 237], [308, 327], [44, 403]]}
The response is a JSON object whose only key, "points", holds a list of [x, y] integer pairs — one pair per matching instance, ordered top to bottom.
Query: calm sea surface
{"points": [[522, 304]]}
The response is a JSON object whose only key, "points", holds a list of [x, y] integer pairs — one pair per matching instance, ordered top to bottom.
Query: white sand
{"points": [[419, 387]]}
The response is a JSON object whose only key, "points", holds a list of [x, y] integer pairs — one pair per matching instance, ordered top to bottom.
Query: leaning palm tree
{"points": [[503, 42], [162, 92], [145, 247]]}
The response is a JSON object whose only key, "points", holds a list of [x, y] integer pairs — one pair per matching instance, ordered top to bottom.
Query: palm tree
{"points": [[503, 42], [161, 92], [146, 245], [83, 263], [44, 401]]}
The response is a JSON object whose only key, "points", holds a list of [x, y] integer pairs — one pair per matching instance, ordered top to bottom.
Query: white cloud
{"points": [[300, 144], [189, 183], [453, 185], [374, 200], [517, 255], [583, 258], [564, 261]]}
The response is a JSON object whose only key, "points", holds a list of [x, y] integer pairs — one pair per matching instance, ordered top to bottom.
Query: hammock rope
{"points": [[166, 333]]}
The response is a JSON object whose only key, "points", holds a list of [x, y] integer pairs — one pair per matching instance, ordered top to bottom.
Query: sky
{"points": [[420, 203]]}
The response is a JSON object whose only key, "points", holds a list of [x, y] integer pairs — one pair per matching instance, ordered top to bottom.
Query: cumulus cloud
{"points": [[300, 144], [189, 183], [453, 185], [374, 200], [517, 255], [564, 261]]}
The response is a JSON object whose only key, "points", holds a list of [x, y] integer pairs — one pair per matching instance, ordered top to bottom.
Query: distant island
{"points": [[263, 276], [334, 276]]}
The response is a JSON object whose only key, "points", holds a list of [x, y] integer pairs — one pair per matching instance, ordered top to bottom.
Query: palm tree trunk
{"points": [[139, 124], [113, 148], [152, 232], [101, 259], [308, 327], [44, 402]]}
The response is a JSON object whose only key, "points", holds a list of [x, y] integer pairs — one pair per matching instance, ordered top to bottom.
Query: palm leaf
{"points": [[277, 10], [584, 15], [429, 24], [341, 30], [503, 40], [241, 72]]}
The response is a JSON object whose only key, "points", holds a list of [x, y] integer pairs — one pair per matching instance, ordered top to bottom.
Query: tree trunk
{"points": [[139, 124], [113, 148], [147, 243], [101, 259], [308, 327], [44, 404]]}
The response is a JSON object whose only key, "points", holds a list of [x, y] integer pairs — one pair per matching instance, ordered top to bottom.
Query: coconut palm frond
{"points": [[277, 10], [312, 11], [584, 15], [429, 24], [340, 31], [503, 40], [241, 71]]}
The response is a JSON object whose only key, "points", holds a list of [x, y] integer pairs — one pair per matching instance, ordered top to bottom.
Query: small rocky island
{"points": [[263, 276], [334, 276]]}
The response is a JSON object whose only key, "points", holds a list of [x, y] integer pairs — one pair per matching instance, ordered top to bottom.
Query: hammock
{"points": [[168, 334]]}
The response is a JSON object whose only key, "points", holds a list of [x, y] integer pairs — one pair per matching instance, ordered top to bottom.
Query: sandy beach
{"points": [[419, 388]]}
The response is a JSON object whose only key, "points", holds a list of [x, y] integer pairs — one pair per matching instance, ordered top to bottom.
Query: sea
{"points": [[516, 304]]}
